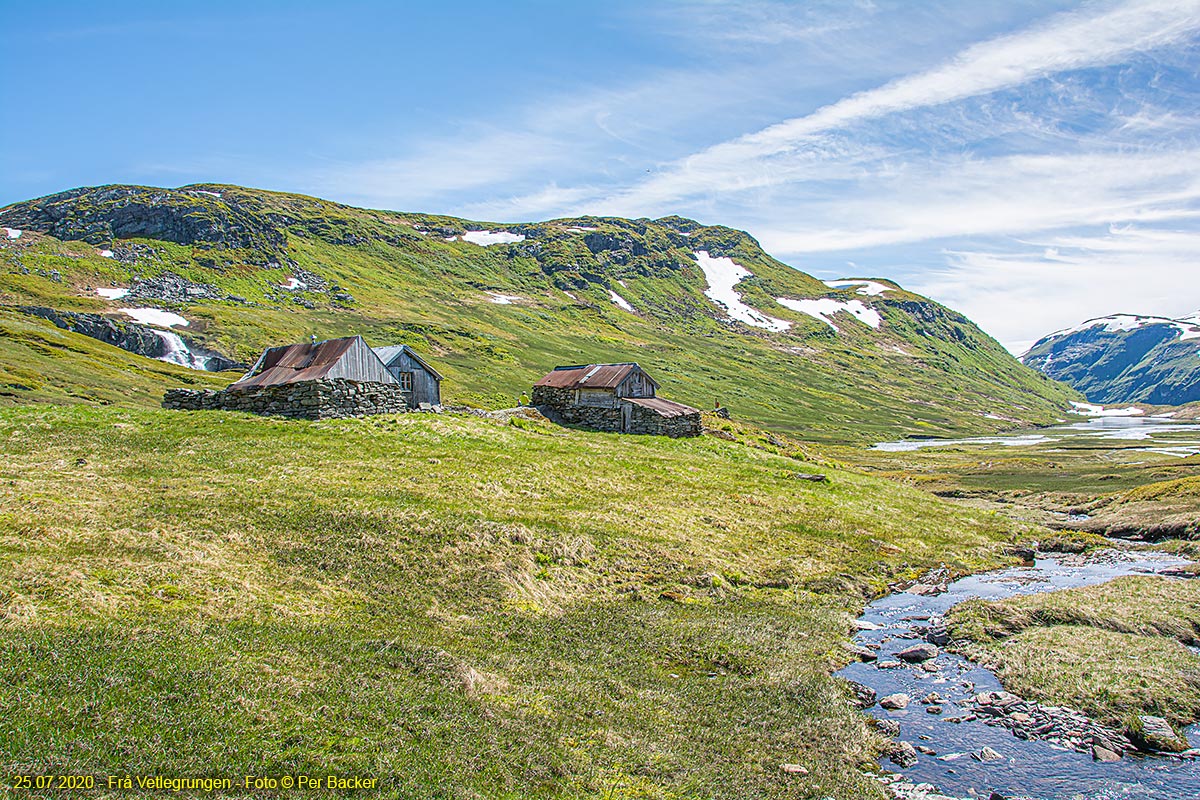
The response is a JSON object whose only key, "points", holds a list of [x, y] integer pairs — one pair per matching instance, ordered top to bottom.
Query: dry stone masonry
{"points": [[316, 399]]}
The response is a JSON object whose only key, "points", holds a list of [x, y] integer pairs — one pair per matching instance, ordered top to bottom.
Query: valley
{"points": [[478, 602]]}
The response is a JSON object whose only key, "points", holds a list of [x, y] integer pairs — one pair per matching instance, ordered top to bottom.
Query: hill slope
{"points": [[704, 308], [1125, 358], [458, 607]]}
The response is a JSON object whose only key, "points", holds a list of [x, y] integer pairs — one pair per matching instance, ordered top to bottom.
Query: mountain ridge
{"points": [[500, 303], [1125, 358]]}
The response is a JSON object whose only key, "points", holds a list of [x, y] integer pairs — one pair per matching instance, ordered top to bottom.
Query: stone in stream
{"points": [[863, 625], [919, 652], [861, 653], [864, 696], [931, 699], [895, 701], [935, 709], [888, 727], [1156, 733], [1100, 753], [902, 754], [986, 754]]}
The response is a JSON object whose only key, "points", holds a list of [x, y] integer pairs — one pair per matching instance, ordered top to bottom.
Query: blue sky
{"points": [[1032, 164]]}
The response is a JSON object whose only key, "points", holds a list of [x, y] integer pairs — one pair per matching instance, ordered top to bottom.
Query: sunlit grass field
{"points": [[458, 606]]}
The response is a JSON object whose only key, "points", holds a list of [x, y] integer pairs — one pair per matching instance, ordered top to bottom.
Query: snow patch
{"points": [[210, 194], [582, 229], [13, 233], [486, 238], [451, 239], [107, 254], [723, 275], [293, 285], [867, 288], [112, 294], [568, 294], [504, 299], [621, 301], [825, 307], [155, 316], [1090, 410]]}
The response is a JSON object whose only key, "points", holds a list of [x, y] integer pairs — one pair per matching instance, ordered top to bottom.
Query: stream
{"points": [[1152, 434], [1028, 768]]}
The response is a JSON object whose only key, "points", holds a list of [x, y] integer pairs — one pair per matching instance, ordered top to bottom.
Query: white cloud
{"points": [[1096, 35], [1014, 195], [1047, 285]]}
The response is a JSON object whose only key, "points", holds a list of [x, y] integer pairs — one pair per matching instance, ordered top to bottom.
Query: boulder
{"points": [[918, 652], [895, 701], [1155, 733], [902, 754], [987, 754]]}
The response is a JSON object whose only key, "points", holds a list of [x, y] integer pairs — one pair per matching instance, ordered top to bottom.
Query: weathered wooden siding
{"points": [[359, 363], [638, 384], [425, 387]]}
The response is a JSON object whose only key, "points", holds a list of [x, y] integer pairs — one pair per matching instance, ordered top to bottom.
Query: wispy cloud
{"points": [[1093, 36], [1007, 195]]}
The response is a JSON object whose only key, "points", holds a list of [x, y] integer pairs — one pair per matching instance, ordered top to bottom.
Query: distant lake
{"points": [[1156, 435]]}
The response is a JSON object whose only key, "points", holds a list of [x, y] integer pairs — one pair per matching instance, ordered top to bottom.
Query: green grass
{"points": [[461, 607], [1114, 651]]}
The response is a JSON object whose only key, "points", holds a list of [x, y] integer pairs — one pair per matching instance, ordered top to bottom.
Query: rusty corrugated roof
{"points": [[296, 362], [588, 376], [666, 408]]}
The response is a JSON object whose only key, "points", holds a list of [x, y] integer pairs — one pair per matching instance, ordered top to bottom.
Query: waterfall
{"points": [[176, 351]]}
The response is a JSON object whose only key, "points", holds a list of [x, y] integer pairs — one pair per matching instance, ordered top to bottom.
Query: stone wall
{"points": [[321, 399], [559, 405], [647, 421]]}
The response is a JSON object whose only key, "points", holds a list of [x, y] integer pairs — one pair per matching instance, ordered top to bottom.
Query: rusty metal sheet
{"points": [[298, 362], [589, 376], [665, 408]]}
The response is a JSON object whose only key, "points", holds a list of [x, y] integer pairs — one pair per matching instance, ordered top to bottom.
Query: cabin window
{"points": [[405, 381]]}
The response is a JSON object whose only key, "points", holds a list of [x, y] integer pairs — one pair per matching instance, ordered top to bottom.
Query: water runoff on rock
{"points": [[176, 351], [955, 728]]}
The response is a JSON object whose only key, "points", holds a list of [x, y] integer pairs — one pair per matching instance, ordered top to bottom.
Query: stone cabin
{"points": [[317, 380], [420, 382], [619, 398]]}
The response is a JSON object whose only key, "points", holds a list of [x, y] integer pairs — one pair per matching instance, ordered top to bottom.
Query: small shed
{"points": [[349, 358], [309, 380], [421, 382], [620, 398]]}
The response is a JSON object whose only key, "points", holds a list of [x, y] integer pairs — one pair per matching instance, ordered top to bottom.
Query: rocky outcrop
{"points": [[101, 215], [171, 288], [319, 399], [1062, 726]]}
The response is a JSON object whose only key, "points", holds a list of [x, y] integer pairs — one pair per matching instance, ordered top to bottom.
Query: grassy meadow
{"points": [[461, 607], [1115, 651]]}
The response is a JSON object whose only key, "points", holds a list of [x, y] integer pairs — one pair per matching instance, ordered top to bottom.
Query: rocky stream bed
{"points": [[957, 734]]}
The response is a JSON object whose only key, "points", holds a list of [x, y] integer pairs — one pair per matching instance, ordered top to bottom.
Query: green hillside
{"points": [[222, 255], [458, 607]]}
